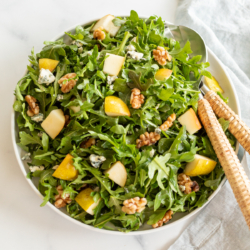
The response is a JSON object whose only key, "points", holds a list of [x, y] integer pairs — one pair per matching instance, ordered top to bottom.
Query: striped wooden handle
{"points": [[236, 126], [229, 161]]}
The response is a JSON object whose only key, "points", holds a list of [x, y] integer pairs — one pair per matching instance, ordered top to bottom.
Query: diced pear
{"points": [[107, 24], [46, 63], [113, 64], [163, 74], [213, 84], [114, 106], [75, 108], [191, 121], [54, 123], [201, 165], [66, 170], [117, 173], [86, 201]]}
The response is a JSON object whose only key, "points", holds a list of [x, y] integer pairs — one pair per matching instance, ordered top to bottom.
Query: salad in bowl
{"points": [[109, 124]]}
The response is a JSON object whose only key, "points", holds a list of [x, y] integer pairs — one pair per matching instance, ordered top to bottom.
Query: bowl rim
{"points": [[100, 230]]}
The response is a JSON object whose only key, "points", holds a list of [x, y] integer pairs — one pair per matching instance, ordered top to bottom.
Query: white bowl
{"points": [[217, 69]]}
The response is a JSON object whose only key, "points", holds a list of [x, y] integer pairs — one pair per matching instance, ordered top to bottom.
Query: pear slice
{"points": [[107, 24], [113, 64], [213, 84], [114, 106], [75, 108], [191, 121], [54, 123], [201, 165], [66, 170], [117, 173], [86, 201]]}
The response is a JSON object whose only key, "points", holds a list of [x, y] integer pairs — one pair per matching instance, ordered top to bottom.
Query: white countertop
{"points": [[23, 223]]}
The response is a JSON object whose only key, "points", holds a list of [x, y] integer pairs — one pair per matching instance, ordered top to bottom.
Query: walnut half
{"points": [[99, 34], [161, 55], [67, 82], [136, 98], [33, 106], [168, 123], [147, 139], [186, 185], [61, 201], [133, 205], [165, 219]]}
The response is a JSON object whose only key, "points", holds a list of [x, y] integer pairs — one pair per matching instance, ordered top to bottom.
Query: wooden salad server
{"points": [[236, 126], [229, 161]]}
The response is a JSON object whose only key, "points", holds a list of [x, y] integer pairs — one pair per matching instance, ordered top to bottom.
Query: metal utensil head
{"points": [[183, 34]]}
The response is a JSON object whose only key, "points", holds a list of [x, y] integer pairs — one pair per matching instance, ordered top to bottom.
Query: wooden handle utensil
{"points": [[236, 126], [229, 161]]}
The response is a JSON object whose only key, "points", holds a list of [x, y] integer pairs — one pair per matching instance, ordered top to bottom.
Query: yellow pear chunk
{"points": [[107, 24], [46, 63], [113, 64], [163, 74], [213, 84], [114, 106], [75, 108], [191, 121], [54, 123], [201, 165], [66, 170], [117, 173], [86, 201]]}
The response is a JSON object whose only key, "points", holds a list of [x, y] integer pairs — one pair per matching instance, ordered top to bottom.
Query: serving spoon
{"points": [[208, 106]]}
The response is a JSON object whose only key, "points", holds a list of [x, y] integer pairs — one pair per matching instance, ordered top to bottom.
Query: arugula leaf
{"points": [[158, 164]]}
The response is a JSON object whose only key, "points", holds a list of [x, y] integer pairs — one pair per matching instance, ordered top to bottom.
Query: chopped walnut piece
{"points": [[99, 34], [161, 55], [67, 82], [136, 98], [33, 106], [67, 120], [168, 123], [147, 139], [87, 144], [186, 185], [61, 201], [131, 206], [165, 219]]}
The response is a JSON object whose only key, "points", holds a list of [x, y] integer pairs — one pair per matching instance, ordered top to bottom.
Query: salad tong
{"points": [[208, 106]]}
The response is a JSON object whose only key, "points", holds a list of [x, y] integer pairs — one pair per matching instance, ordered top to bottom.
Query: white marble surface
{"points": [[23, 224]]}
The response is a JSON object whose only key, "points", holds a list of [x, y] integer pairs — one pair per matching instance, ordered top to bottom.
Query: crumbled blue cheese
{"points": [[134, 39], [77, 43], [130, 47], [80, 50], [89, 53], [135, 55], [46, 77], [111, 79], [111, 86], [59, 97], [37, 118], [158, 131], [40, 134], [151, 153], [26, 157], [96, 160], [55, 167], [36, 168], [182, 188]]}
